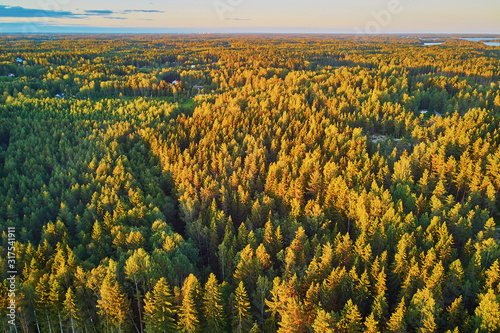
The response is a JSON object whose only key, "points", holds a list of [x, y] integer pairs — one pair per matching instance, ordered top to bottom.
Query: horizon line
{"points": [[237, 33]]}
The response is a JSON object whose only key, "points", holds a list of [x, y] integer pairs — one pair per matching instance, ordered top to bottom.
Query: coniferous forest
{"points": [[252, 183]]}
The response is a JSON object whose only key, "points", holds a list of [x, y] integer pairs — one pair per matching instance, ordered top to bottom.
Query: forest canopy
{"points": [[189, 183]]}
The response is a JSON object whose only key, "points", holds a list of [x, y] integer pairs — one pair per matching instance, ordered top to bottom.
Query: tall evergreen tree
{"points": [[137, 268], [113, 305], [213, 305], [159, 309], [241, 310], [71, 311], [488, 312], [350, 319], [189, 321], [323, 322], [397, 322]]}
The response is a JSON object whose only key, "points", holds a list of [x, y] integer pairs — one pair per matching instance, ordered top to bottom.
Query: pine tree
{"points": [[269, 239], [225, 254], [264, 258], [325, 263], [137, 268], [247, 268], [493, 276], [380, 284], [42, 292], [361, 292], [260, 296], [56, 298], [311, 303], [113, 304], [212, 305], [70, 309], [159, 309], [379, 309], [241, 310], [422, 311], [188, 312], [456, 313], [488, 313], [293, 317], [350, 320], [323, 322], [397, 322], [371, 324]]}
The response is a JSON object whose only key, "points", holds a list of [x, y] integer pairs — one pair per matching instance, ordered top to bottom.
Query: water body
{"points": [[475, 39], [483, 40], [432, 43]]}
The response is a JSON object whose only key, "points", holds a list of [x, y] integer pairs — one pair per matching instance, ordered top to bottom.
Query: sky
{"points": [[259, 16]]}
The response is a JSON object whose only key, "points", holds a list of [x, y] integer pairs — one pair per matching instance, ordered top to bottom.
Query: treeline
{"points": [[311, 185]]}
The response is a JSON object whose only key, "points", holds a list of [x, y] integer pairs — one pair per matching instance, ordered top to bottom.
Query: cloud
{"points": [[16, 11], [143, 11], [21, 12], [99, 12], [238, 19]]}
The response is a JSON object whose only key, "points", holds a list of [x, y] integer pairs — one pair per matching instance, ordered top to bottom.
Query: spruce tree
{"points": [[113, 304], [213, 305], [70, 309], [159, 309], [241, 310], [189, 321]]}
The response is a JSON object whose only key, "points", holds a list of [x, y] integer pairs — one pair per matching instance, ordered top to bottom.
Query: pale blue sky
{"points": [[354, 16]]}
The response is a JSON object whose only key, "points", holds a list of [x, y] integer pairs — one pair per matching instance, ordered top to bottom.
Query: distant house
{"points": [[20, 60], [193, 66], [11, 75], [175, 82], [198, 87], [58, 96], [423, 111]]}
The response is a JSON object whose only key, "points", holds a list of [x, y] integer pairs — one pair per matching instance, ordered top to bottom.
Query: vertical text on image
{"points": [[12, 273]]}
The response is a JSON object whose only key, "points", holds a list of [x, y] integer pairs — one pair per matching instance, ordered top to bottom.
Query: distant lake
{"points": [[475, 39], [428, 41]]}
